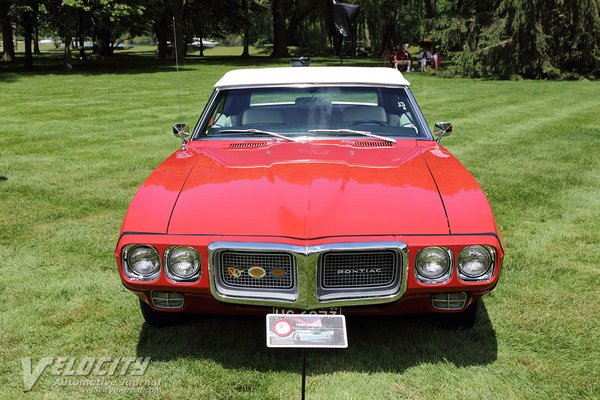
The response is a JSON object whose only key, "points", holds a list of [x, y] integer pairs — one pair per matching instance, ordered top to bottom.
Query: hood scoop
{"points": [[372, 143], [246, 145]]}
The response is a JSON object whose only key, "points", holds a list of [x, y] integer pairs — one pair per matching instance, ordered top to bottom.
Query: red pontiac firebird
{"points": [[315, 189]]}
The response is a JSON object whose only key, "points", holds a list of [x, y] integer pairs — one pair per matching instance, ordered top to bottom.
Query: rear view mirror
{"points": [[181, 130], [444, 130]]}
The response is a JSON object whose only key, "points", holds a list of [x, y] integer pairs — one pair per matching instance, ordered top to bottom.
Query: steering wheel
{"points": [[370, 121]]}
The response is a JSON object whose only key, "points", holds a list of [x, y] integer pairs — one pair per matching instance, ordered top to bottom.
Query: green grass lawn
{"points": [[75, 147]]}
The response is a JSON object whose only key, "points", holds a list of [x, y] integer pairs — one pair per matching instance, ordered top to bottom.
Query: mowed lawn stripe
{"points": [[75, 147]]}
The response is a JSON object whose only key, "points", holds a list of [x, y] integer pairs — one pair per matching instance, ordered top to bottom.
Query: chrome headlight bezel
{"points": [[130, 271], [486, 274], [174, 275], [444, 275]]}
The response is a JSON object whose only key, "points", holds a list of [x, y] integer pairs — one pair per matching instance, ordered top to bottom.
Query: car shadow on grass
{"points": [[376, 344]]}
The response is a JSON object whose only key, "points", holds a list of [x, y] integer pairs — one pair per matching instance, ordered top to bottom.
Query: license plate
{"points": [[321, 311]]}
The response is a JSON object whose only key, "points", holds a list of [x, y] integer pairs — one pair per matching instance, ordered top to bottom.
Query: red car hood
{"points": [[308, 190]]}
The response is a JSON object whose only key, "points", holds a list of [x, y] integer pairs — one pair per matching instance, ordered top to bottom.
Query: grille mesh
{"points": [[234, 266], [358, 269]]}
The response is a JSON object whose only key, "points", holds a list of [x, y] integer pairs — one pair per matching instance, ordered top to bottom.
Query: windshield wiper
{"points": [[257, 132], [353, 132]]}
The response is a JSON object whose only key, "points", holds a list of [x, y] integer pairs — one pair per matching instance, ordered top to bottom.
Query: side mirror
{"points": [[445, 128], [181, 130]]}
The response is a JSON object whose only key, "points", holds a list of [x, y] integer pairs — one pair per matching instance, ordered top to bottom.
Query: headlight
{"points": [[141, 262], [183, 263], [475, 263], [433, 265]]}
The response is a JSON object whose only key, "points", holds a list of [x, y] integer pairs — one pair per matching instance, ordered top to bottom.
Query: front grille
{"points": [[278, 269], [358, 269], [307, 277]]}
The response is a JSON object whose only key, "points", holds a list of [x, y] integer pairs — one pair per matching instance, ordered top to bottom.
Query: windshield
{"points": [[314, 111]]}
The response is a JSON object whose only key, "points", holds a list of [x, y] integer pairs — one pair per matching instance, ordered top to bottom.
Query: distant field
{"points": [[151, 49], [75, 147]]}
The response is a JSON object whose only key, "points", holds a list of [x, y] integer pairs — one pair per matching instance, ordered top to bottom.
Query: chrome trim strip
{"points": [[306, 292]]}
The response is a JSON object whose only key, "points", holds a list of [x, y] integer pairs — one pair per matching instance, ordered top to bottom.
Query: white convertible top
{"points": [[312, 75]]}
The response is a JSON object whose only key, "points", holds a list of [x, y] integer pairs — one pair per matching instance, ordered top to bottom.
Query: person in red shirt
{"points": [[401, 58]]}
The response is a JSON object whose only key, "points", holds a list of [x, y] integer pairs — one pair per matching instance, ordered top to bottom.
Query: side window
{"points": [[228, 110], [219, 119]]}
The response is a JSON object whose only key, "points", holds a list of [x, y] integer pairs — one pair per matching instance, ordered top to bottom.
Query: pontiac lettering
{"points": [[350, 271]]}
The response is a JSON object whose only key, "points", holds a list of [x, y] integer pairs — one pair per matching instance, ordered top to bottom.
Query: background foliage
{"points": [[477, 38]]}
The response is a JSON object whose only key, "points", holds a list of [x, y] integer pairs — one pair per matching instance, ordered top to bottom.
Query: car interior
{"points": [[388, 115]]}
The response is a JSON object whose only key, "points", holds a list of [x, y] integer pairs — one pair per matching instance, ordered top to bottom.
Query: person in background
{"points": [[386, 57], [424, 57], [402, 58], [436, 58]]}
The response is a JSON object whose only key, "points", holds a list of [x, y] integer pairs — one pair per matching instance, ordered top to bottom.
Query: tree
{"points": [[178, 8], [431, 8], [62, 17], [114, 20], [27, 23], [389, 25], [246, 28], [7, 32], [279, 32], [529, 39]]}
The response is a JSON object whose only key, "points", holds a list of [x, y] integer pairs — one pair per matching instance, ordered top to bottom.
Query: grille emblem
{"points": [[234, 272], [257, 272], [278, 272]]}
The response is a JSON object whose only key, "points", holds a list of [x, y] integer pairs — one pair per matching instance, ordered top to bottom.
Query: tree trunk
{"points": [[178, 8], [430, 8], [327, 11], [299, 14], [70, 21], [389, 27], [36, 30], [161, 30], [80, 31], [7, 34], [279, 34], [28, 37], [103, 42], [201, 48], [246, 52], [201, 54], [68, 62]]}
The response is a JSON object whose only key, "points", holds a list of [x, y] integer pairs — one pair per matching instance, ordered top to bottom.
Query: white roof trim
{"points": [[312, 75]]}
